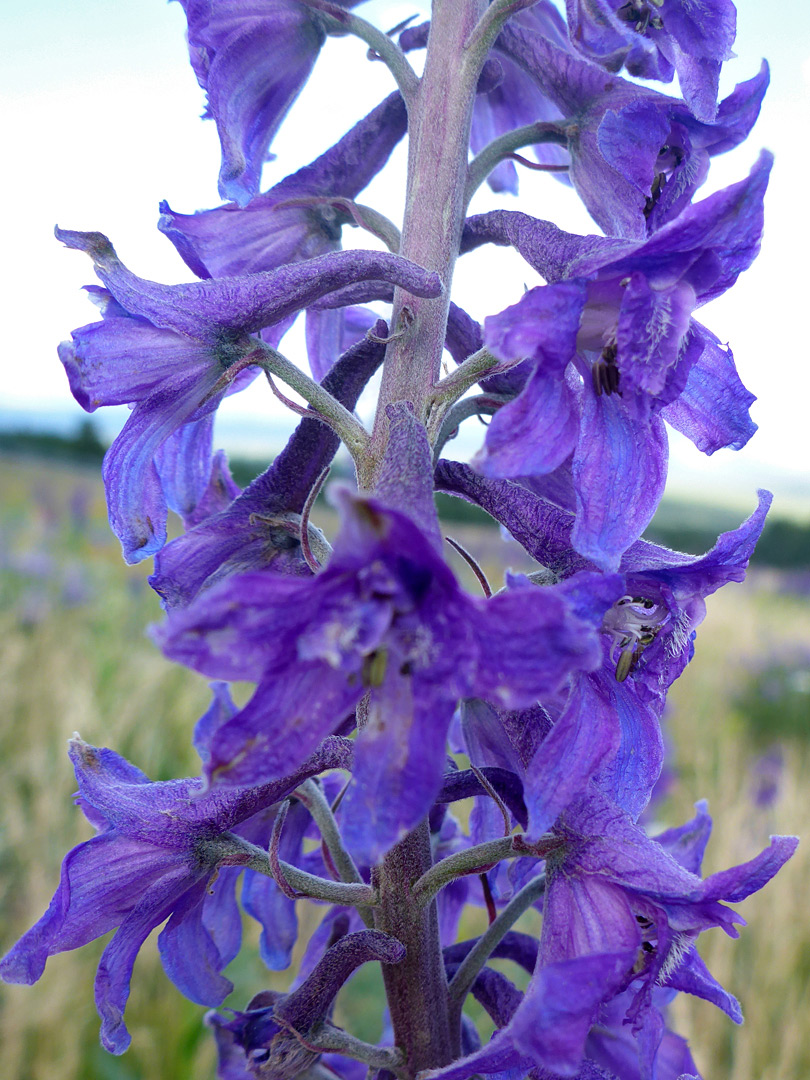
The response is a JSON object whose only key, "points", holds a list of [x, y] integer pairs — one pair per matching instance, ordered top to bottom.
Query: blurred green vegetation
{"points": [[678, 525], [75, 656]]}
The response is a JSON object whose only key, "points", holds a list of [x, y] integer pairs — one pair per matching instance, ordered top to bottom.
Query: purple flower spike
{"points": [[253, 60], [163, 849]]}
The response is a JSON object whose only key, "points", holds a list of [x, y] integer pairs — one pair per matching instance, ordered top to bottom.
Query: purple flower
{"points": [[656, 38], [252, 59], [637, 156], [168, 349], [612, 349], [260, 527], [386, 616], [610, 717], [162, 850], [621, 913]]}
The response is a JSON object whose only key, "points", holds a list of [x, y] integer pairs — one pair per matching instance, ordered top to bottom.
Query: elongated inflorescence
{"points": [[383, 691]]}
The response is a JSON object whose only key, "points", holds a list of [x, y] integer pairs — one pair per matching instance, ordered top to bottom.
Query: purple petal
{"points": [[253, 66], [330, 333], [712, 409], [535, 433], [183, 464], [619, 472], [136, 500], [581, 739], [398, 767], [687, 843], [100, 882], [190, 957], [115, 967]]}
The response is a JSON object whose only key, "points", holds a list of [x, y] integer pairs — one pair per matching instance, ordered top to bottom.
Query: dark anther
{"points": [[655, 193], [605, 373], [648, 946]]}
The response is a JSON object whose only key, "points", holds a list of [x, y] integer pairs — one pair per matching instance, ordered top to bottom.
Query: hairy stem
{"points": [[439, 132], [350, 430], [311, 795], [469, 861], [317, 888], [416, 987]]}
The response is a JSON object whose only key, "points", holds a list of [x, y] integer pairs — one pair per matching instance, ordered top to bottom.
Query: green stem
{"points": [[339, 20], [530, 135], [311, 795], [469, 861], [317, 888], [475, 959], [416, 988], [328, 1038]]}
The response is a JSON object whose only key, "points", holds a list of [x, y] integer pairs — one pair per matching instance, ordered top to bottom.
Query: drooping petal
{"points": [[253, 63], [712, 409], [183, 463], [619, 474], [136, 499], [398, 766], [99, 885], [189, 954], [115, 967]]}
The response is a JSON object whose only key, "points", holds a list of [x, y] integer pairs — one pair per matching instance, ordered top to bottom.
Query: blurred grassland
{"points": [[74, 657]]}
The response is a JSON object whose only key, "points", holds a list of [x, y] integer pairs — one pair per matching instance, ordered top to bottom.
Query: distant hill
{"points": [[678, 524]]}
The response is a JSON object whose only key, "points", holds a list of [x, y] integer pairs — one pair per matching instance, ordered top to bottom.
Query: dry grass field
{"points": [[74, 657]]}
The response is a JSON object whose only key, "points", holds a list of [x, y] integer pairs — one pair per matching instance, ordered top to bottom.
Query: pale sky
{"points": [[101, 121]]}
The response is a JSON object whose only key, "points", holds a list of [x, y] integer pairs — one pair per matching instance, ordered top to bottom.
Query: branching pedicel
{"points": [[368, 659]]}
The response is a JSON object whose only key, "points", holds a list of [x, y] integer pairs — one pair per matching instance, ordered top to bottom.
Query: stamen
{"points": [[605, 373], [634, 623]]}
